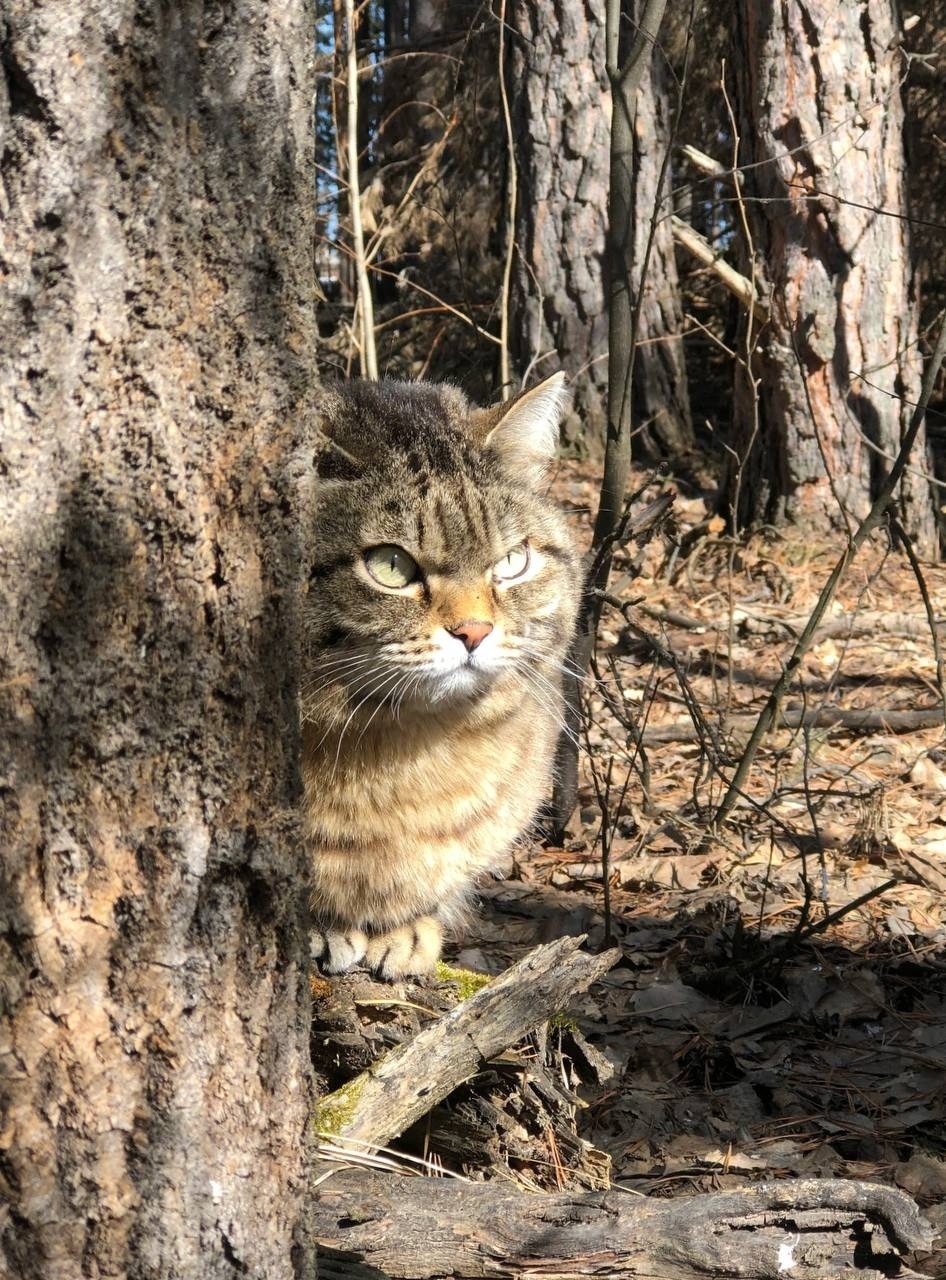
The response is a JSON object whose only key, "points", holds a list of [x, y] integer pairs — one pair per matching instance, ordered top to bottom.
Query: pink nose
{"points": [[471, 632]]}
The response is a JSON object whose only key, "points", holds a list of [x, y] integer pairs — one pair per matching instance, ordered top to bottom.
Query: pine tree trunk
{"points": [[559, 92], [562, 150], [155, 328], [838, 363], [662, 426]]}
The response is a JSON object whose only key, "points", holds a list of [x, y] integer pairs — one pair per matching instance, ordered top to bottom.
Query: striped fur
{"points": [[423, 762]]}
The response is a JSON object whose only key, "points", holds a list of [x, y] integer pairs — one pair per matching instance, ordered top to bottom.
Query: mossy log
{"points": [[407, 1082]]}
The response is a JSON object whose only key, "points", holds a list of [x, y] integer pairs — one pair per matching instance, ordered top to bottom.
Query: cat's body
{"points": [[441, 605]]}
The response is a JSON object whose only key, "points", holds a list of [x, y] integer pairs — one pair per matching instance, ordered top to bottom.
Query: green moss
{"points": [[468, 982], [562, 1022], [336, 1110]]}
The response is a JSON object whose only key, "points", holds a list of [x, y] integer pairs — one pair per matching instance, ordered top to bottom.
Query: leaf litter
{"points": [[780, 1008]]}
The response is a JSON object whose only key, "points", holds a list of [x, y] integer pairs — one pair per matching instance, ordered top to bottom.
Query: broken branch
{"points": [[739, 286], [408, 1082], [429, 1229]]}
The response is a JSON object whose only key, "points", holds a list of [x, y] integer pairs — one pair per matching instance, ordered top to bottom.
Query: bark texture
{"points": [[559, 92], [821, 126], [155, 335], [660, 397], [371, 1225]]}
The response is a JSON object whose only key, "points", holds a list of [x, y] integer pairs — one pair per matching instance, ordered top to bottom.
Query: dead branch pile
{"points": [[372, 1223]]}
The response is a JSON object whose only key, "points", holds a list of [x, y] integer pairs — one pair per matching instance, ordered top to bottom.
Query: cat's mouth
{"points": [[430, 679], [470, 679]]}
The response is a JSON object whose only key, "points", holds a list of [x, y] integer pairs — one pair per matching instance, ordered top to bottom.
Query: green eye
{"points": [[513, 564], [391, 566]]}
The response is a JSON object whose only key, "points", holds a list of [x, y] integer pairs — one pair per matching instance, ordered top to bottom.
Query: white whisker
{"points": [[564, 665], [331, 678], [369, 683], [409, 686], [389, 692], [540, 695]]}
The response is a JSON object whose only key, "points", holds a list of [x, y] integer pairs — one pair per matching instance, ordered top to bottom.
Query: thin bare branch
{"points": [[512, 198], [738, 285], [367, 351]]}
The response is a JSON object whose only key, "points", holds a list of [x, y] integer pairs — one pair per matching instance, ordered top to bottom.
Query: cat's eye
{"points": [[513, 564], [391, 566]]}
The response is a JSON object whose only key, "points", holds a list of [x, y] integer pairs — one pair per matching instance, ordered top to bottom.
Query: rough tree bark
{"points": [[560, 98], [821, 121], [156, 343], [660, 395], [435, 1229]]}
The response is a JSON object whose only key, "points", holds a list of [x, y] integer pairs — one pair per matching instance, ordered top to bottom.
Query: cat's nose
{"points": [[471, 632]]}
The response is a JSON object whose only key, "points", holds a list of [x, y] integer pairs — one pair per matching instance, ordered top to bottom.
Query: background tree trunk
{"points": [[559, 93], [821, 125], [156, 341], [662, 426]]}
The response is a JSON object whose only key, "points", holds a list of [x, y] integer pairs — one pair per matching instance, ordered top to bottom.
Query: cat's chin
{"points": [[460, 685]]}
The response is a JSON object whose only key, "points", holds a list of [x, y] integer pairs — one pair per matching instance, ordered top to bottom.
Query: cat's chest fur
{"points": [[405, 818]]}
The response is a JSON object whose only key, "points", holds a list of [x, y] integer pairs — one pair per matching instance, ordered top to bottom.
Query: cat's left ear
{"points": [[524, 431]]}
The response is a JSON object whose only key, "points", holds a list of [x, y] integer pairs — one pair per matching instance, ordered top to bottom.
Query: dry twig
{"points": [[871, 521]]}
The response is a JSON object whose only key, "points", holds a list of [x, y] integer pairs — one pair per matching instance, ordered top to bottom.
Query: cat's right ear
{"points": [[524, 431], [321, 463]]}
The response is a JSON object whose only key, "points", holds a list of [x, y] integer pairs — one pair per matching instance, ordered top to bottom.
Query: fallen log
{"points": [[852, 719], [390, 1095], [374, 1225]]}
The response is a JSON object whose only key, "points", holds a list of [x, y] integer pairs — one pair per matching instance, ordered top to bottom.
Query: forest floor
{"points": [[780, 1008]]}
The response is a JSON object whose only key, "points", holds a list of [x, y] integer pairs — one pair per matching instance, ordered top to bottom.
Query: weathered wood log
{"points": [[758, 621], [852, 719], [388, 1097], [371, 1225]]}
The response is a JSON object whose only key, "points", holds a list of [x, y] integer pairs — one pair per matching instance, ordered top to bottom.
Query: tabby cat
{"points": [[440, 607]]}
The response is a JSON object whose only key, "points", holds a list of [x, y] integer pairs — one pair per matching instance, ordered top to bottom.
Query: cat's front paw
{"points": [[412, 949], [337, 950]]}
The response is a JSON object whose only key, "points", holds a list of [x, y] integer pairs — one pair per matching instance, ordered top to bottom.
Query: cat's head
{"points": [[439, 566]]}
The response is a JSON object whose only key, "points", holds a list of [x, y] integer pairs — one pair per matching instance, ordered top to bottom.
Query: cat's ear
{"points": [[524, 431], [340, 455]]}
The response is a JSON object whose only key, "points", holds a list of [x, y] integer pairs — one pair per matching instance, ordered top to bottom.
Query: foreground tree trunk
{"points": [[559, 91], [156, 342], [838, 368]]}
